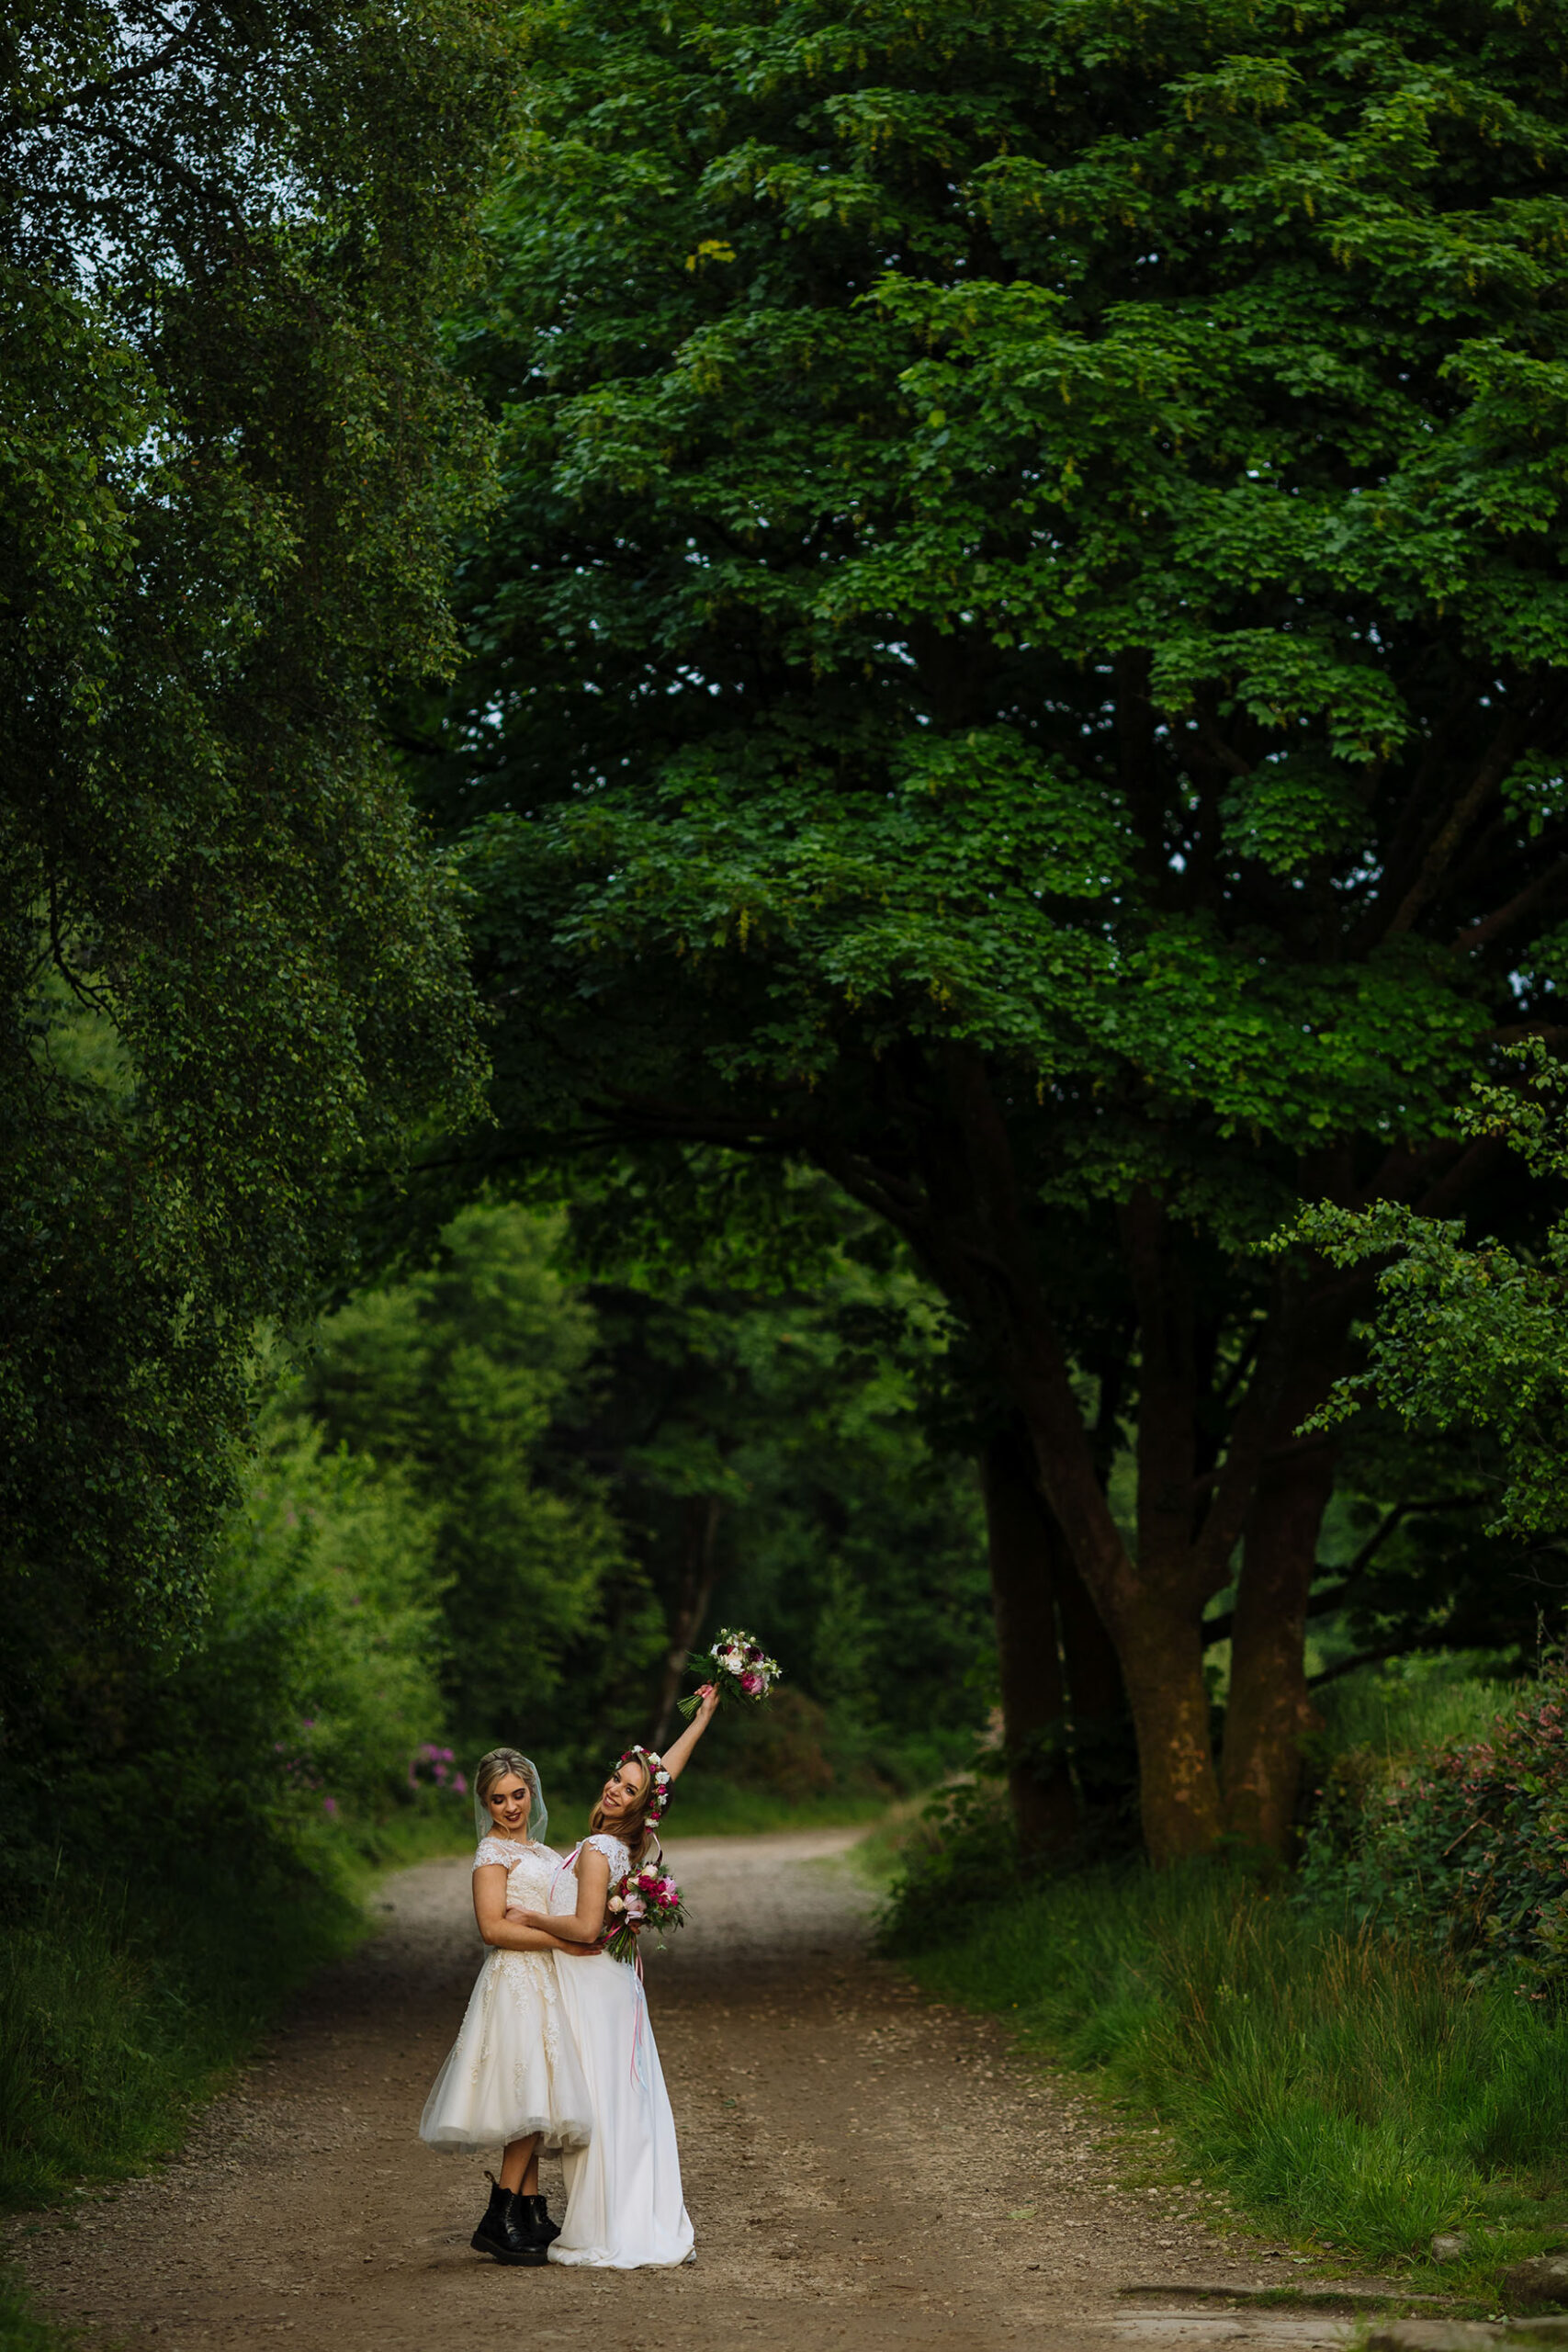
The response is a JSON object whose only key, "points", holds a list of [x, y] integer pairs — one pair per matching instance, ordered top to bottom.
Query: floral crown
{"points": [[659, 1781]]}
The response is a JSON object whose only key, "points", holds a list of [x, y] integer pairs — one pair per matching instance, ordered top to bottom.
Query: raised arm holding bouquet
{"points": [[740, 1670]]}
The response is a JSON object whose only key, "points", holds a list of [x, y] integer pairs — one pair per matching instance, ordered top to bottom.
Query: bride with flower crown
{"points": [[623, 2205]]}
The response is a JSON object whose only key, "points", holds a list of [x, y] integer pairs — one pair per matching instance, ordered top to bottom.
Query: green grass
{"points": [[1412, 1704], [899, 1831], [114, 2021], [1346, 2089], [21, 2329]]}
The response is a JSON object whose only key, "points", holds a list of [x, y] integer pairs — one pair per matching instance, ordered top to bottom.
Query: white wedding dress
{"points": [[514, 2068], [624, 2208]]}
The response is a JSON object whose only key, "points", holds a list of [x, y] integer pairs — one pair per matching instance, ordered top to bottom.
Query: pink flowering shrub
{"points": [[431, 1767], [1466, 1846]]}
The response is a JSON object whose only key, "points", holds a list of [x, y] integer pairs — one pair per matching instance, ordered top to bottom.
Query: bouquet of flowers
{"points": [[738, 1667], [645, 1898]]}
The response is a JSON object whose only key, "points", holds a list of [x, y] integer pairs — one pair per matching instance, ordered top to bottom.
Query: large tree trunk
{"points": [[1193, 1511], [1021, 1542], [699, 1561], [1152, 1610], [1152, 1614], [1161, 1649], [1269, 1709], [1098, 1713]]}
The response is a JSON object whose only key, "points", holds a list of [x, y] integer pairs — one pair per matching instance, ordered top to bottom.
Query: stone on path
{"points": [[1541, 2279], [1434, 2335]]}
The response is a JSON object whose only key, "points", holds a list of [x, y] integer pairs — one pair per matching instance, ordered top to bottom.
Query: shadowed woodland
{"points": [[785, 841]]}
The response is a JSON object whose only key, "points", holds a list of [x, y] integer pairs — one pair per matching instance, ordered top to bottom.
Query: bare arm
{"points": [[676, 1758], [586, 1924], [513, 1934]]}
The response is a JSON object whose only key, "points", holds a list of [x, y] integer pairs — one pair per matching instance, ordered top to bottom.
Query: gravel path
{"points": [[864, 2169]]}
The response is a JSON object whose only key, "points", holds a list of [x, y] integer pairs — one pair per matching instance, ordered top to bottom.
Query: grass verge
{"points": [[118, 2016], [115, 2018], [1345, 2088], [21, 2327]]}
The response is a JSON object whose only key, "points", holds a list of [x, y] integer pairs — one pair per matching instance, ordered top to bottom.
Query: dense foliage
{"points": [[229, 464], [1022, 665], [1471, 1339], [467, 1379], [610, 1470], [1411, 1557], [229, 1757], [1464, 1846], [189, 1857]]}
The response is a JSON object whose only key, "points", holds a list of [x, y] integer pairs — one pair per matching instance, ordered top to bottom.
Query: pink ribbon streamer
{"points": [[638, 2073]]}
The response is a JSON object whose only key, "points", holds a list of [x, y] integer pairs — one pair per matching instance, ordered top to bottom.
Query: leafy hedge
{"points": [[1466, 1846], [184, 1861]]}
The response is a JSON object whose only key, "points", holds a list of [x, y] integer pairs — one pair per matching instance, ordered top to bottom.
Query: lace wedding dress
{"points": [[514, 2068], [624, 2207]]}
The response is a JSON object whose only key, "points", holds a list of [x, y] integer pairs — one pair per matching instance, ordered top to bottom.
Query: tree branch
{"points": [[111, 84], [1434, 867], [1502, 918]]}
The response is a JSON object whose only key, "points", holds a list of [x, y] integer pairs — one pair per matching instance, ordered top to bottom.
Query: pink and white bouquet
{"points": [[739, 1670], [644, 1899]]}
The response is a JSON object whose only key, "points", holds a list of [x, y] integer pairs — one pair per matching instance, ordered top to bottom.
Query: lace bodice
{"points": [[529, 1869], [563, 1893]]}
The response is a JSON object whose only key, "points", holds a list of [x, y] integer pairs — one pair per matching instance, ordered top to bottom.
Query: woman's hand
{"points": [[708, 1694], [504, 1927]]}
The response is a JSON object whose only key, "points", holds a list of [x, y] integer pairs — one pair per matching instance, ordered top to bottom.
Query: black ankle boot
{"points": [[533, 2215], [501, 2232]]}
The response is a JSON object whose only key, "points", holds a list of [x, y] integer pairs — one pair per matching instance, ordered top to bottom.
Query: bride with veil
{"points": [[513, 2076]]}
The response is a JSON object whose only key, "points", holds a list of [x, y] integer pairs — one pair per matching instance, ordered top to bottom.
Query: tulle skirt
{"points": [[513, 2069]]}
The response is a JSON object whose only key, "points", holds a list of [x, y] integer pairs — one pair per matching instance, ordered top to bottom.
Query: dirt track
{"points": [[863, 2168]]}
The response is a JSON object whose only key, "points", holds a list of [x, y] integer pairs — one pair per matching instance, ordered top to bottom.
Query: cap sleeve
{"points": [[491, 1849], [614, 1853]]}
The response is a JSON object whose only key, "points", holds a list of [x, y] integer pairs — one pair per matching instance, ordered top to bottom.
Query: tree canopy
{"points": [[232, 463], [1022, 663], [1469, 1338]]}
